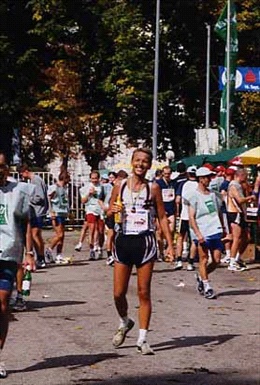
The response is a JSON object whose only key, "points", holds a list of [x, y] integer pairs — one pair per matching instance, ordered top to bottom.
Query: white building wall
{"points": [[207, 141]]}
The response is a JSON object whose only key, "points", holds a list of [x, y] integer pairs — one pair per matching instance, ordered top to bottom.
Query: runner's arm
{"points": [[233, 193], [113, 207]]}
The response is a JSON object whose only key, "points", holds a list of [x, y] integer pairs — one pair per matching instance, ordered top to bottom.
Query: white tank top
{"points": [[138, 216]]}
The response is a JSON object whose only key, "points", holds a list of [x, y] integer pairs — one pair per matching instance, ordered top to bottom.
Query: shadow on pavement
{"points": [[237, 292], [34, 305], [185, 342], [72, 361], [192, 376]]}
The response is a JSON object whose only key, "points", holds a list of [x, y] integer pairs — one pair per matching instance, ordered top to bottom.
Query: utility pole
{"points": [[156, 75], [228, 76], [208, 77]]}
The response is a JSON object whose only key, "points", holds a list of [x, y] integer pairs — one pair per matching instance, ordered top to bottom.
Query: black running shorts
{"points": [[237, 218], [184, 227], [135, 249]]}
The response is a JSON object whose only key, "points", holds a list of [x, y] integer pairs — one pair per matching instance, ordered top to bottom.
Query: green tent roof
{"points": [[226, 155], [221, 157], [197, 160]]}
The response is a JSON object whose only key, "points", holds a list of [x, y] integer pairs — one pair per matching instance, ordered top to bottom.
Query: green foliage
{"points": [[79, 73]]}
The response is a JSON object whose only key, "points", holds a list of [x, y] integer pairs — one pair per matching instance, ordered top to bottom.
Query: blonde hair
{"points": [[146, 151]]}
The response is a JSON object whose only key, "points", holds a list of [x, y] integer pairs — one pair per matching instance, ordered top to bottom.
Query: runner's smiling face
{"points": [[141, 163]]}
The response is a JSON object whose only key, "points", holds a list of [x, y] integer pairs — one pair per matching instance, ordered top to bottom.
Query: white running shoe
{"points": [[78, 247], [59, 259], [225, 260], [178, 265], [190, 267], [236, 267], [210, 294], [121, 333], [145, 349], [3, 373]]}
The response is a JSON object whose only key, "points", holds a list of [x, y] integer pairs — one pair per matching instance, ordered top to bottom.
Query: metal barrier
{"points": [[77, 212]]}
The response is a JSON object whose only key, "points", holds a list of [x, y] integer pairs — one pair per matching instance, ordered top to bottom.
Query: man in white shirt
{"points": [[91, 195], [204, 216]]}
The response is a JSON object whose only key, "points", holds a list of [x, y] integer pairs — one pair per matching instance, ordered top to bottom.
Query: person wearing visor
{"points": [[207, 230]]}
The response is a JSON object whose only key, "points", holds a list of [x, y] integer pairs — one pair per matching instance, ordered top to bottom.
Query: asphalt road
{"points": [[65, 336]]}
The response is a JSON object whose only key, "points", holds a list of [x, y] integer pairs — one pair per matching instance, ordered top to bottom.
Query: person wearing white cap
{"points": [[183, 194], [204, 217]]}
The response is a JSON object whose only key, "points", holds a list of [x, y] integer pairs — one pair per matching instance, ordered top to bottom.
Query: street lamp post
{"points": [[156, 74]]}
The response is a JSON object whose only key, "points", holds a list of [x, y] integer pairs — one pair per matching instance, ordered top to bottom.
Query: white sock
{"points": [[185, 246], [228, 253], [237, 257], [232, 261], [206, 284], [123, 321], [142, 336]]}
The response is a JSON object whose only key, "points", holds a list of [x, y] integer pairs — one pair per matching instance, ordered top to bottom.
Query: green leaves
{"points": [[80, 72]]}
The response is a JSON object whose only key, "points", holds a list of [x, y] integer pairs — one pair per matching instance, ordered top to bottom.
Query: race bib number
{"points": [[168, 194], [3, 214], [136, 223]]}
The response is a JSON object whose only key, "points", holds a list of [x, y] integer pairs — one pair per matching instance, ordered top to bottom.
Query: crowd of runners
{"points": [[193, 214]]}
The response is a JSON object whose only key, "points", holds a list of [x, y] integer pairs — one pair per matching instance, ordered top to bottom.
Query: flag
{"points": [[221, 30]]}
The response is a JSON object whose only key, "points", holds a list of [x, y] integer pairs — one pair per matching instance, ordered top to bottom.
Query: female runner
{"points": [[135, 244]]}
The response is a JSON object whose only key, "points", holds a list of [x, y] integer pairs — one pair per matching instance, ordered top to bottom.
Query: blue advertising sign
{"points": [[247, 78]]}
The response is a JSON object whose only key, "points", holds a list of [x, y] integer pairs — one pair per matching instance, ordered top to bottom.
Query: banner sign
{"points": [[221, 29], [247, 79]]}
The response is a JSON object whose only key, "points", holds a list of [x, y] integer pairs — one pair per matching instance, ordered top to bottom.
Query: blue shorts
{"points": [[59, 220], [36, 222], [212, 242], [8, 271]]}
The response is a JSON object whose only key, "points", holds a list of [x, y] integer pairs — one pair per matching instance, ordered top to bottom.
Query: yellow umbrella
{"points": [[251, 156]]}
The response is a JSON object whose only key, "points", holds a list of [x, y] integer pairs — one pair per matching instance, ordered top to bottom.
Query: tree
{"points": [[17, 67], [80, 73], [87, 114]]}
